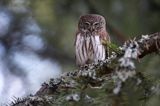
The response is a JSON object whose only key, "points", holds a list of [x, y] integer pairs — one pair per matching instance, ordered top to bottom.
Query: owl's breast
{"points": [[89, 49]]}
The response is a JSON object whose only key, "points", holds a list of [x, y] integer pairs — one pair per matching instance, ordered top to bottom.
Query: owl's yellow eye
{"points": [[96, 24], [86, 25]]}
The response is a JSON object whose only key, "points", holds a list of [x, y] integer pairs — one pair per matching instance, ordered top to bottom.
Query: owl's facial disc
{"points": [[91, 23]]}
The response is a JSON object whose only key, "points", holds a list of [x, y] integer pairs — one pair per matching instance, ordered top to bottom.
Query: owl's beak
{"points": [[91, 29]]}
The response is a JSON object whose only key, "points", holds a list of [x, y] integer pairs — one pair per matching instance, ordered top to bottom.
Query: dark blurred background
{"points": [[37, 38]]}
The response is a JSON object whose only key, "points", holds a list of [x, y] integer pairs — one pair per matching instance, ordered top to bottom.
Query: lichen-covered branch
{"points": [[149, 44], [109, 76]]}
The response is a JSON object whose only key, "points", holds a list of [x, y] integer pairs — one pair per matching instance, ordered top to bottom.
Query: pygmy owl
{"points": [[88, 42]]}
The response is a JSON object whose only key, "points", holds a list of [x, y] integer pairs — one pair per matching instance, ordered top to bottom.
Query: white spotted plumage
{"points": [[88, 49]]}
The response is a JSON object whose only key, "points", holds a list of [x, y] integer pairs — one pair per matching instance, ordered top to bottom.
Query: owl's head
{"points": [[91, 23]]}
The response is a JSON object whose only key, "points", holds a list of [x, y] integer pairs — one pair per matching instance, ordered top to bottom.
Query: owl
{"points": [[88, 41]]}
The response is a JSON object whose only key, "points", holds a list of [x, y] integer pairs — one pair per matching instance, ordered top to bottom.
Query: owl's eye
{"points": [[96, 24], [86, 25]]}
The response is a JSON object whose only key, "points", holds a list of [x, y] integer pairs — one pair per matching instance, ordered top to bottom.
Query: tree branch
{"points": [[149, 44], [118, 67]]}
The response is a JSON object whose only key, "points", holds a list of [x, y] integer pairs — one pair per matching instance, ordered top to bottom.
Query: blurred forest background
{"points": [[37, 38]]}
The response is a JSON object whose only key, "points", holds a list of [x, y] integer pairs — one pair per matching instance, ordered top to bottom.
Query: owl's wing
{"points": [[77, 33], [104, 36], [77, 45]]}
